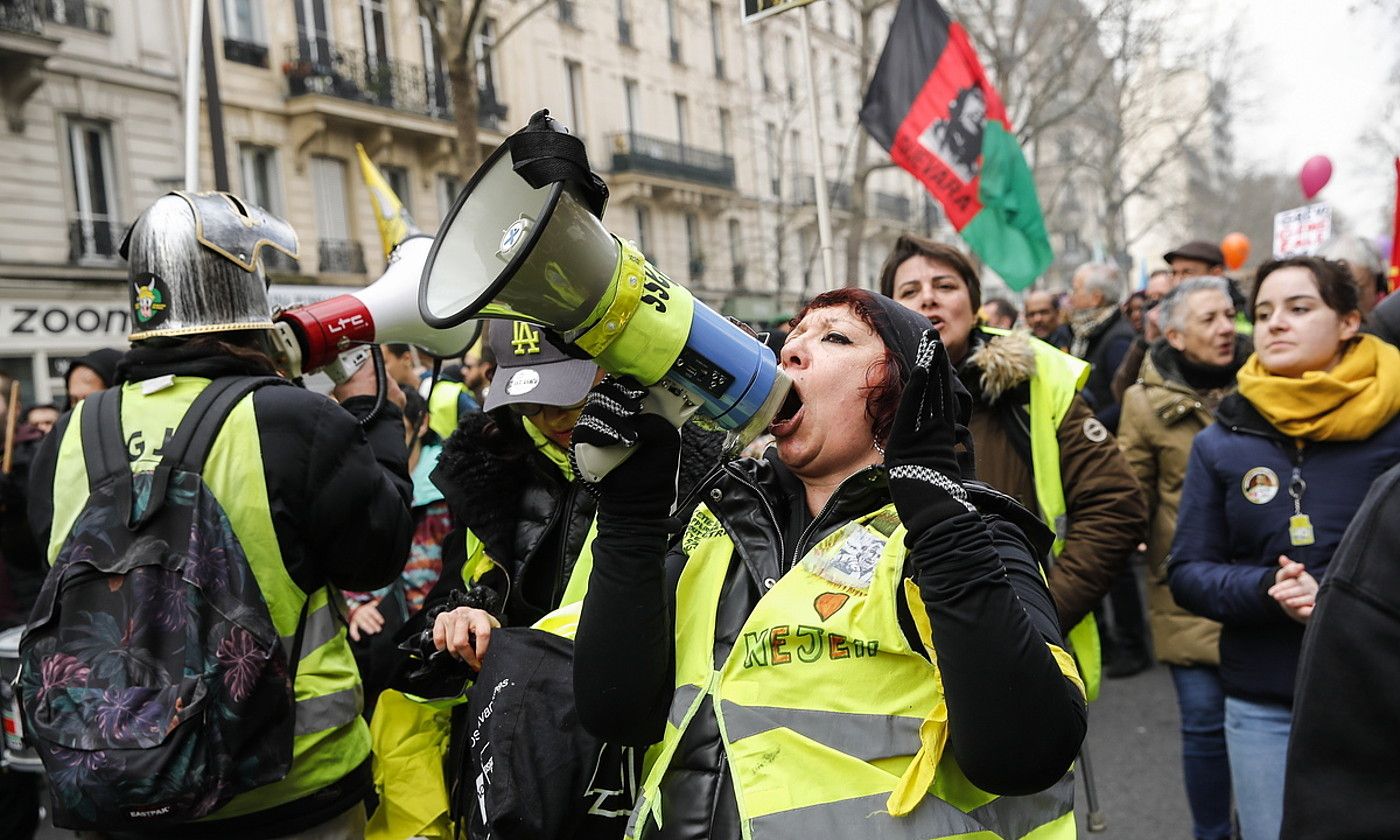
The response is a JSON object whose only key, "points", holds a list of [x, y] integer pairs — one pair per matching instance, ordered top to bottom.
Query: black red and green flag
{"points": [[931, 106]]}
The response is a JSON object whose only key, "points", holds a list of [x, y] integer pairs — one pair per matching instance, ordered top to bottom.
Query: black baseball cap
{"points": [[532, 369]]}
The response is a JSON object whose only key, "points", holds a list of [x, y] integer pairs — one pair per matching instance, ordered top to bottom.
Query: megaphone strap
{"points": [[542, 155]]}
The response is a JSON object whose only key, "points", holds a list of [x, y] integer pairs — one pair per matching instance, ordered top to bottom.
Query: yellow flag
{"points": [[395, 225]]}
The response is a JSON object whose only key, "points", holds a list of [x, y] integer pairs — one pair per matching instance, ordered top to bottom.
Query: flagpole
{"points": [[193, 45], [823, 203]]}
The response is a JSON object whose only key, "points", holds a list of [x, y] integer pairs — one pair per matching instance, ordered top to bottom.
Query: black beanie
{"points": [[901, 329]]}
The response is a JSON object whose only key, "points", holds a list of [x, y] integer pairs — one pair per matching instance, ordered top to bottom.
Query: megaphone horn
{"points": [[529, 248], [385, 311]]}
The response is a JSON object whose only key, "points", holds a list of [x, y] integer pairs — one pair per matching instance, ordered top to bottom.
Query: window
{"points": [[566, 12], [375, 17], [243, 21], [624, 23], [673, 30], [313, 31], [717, 38], [486, 68], [790, 68], [573, 72], [434, 77], [767, 82], [836, 88], [632, 94], [682, 119], [724, 128], [771, 137], [398, 179], [261, 180], [328, 183], [447, 188], [643, 229], [95, 232], [694, 253], [736, 253]]}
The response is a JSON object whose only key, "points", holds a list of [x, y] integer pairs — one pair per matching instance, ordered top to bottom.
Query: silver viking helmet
{"points": [[194, 265]]}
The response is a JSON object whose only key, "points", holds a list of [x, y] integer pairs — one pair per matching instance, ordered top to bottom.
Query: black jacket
{"points": [[1108, 344], [339, 498], [624, 650], [1343, 780]]}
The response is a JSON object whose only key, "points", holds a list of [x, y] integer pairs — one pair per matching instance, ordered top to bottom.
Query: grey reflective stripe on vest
{"points": [[321, 626], [681, 702], [329, 711], [864, 736], [1008, 817]]}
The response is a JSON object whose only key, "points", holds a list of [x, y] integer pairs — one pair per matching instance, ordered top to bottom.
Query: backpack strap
{"points": [[190, 444], [104, 450]]}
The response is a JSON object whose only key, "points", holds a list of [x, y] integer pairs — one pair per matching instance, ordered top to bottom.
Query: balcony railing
{"points": [[82, 14], [20, 16], [245, 52], [401, 85], [633, 152], [805, 192], [893, 206], [93, 238], [341, 256]]}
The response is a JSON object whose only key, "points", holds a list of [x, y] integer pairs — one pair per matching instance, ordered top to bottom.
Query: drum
{"points": [[15, 755]]}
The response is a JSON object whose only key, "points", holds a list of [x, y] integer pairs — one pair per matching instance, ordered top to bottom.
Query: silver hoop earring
{"points": [[879, 448]]}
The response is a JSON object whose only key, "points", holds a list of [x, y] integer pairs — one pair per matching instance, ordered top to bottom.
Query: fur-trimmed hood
{"points": [[997, 364]]}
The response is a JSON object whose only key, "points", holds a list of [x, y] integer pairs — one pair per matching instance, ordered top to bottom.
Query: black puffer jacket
{"points": [[624, 653]]}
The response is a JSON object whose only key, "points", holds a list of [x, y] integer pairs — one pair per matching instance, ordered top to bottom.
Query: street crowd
{"points": [[403, 611]]}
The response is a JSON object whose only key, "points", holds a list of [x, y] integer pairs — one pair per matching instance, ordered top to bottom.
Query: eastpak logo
{"points": [[147, 813]]}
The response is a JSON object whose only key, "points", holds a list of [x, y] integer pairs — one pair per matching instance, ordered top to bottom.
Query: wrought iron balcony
{"points": [[82, 14], [20, 16], [245, 52], [401, 85], [633, 152], [837, 192], [893, 206], [92, 238], [341, 256]]}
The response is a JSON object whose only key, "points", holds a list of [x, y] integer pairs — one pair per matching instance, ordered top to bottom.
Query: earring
{"points": [[879, 448]]}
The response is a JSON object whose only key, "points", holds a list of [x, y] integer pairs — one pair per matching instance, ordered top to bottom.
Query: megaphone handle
{"points": [[595, 462]]}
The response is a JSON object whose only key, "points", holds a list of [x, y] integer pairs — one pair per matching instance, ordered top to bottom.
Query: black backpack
{"points": [[153, 682]]}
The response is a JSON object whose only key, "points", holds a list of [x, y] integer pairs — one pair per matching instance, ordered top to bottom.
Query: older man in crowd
{"points": [[1042, 316]]}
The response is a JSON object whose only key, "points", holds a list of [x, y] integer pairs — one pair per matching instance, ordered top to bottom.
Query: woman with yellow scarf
{"points": [[1269, 491]]}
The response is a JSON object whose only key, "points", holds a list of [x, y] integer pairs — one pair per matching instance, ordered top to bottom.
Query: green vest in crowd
{"points": [[833, 725], [331, 739]]}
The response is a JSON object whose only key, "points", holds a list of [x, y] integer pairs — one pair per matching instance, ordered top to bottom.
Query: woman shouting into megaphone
{"points": [[781, 650]]}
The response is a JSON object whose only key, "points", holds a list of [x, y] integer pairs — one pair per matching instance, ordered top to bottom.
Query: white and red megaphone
{"points": [[386, 311]]}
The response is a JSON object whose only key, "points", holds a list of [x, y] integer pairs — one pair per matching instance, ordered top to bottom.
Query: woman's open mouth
{"points": [[789, 415]]}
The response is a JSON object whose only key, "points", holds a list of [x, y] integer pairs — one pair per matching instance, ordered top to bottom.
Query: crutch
{"points": [[1095, 820]]}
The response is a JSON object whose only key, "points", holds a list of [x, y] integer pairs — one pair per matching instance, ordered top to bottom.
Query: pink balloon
{"points": [[1315, 175]]}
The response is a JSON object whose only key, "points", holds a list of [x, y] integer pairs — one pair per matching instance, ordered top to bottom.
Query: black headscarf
{"points": [[901, 329]]}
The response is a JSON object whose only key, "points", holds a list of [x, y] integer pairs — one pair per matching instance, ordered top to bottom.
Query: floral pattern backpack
{"points": [[153, 682]]}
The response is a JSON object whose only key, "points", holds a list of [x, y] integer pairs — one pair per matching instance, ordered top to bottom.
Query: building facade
{"points": [[699, 124]]}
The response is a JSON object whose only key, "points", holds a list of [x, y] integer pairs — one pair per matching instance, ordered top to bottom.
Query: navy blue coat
{"points": [[1226, 550]]}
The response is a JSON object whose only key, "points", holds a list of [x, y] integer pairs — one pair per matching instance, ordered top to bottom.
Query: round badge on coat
{"points": [[522, 382], [1095, 431], [1260, 485]]}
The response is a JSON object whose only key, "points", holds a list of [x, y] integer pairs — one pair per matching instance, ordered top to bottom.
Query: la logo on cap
{"points": [[526, 339]]}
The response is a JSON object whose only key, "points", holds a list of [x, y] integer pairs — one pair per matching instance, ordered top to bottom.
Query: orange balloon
{"points": [[1235, 246]]}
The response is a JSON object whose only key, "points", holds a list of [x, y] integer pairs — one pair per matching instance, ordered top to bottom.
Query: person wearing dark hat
{"points": [[1193, 259], [88, 374], [1036, 438], [782, 651]]}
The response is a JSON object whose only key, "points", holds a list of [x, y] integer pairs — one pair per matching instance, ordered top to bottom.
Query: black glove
{"points": [[925, 481], [644, 485]]}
